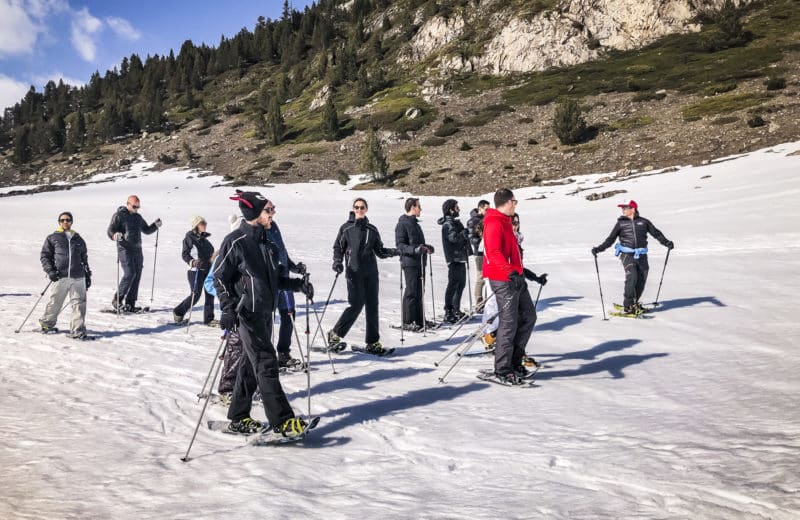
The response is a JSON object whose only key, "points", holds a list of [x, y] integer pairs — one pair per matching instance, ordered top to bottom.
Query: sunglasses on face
{"points": [[135, 207], [357, 208], [623, 208], [270, 209], [65, 220]]}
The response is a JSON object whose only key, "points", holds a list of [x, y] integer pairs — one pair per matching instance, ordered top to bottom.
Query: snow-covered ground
{"points": [[690, 414]]}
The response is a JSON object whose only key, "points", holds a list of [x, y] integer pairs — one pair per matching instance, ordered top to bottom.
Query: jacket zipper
{"points": [[633, 227], [69, 258], [252, 290]]}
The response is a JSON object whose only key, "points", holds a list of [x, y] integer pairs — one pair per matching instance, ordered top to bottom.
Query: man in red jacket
{"points": [[502, 266]]}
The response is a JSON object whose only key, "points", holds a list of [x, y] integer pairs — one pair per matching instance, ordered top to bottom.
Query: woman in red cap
{"points": [[631, 230]]}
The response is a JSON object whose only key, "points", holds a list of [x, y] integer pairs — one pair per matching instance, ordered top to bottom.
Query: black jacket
{"points": [[131, 225], [475, 227], [632, 233], [407, 236], [454, 239], [358, 243], [205, 249], [67, 256], [246, 274]]}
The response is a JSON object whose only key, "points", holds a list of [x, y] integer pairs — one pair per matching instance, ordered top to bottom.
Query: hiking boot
{"points": [[640, 308], [630, 310], [460, 315], [177, 317], [450, 317], [212, 323], [412, 327], [47, 329], [81, 334], [334, 341], [375, 348], [285, 360], [528, 361], [522, 372], [512, 378], [245, 426], [292, 427]]}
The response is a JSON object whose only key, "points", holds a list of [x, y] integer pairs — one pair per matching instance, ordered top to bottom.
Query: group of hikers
{"points": [[250, 276]]}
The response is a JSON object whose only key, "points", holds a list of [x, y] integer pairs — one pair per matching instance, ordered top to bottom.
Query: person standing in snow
{"points": [[475, 228], [126, 229], [631, 229], [197, 238], [455, 241], [410, 242], [357, 245], [65, 260], [502, 266], [247, 280], [286, 305]]}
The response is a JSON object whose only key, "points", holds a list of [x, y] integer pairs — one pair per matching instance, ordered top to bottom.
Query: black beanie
{"points": [[251, 203], [449, 205], [65, 213]]}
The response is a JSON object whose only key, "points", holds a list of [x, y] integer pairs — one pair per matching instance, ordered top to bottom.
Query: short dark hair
{"points": [[502, 196], [362, 200], [410, 203], [483, 203], [67, 213]]}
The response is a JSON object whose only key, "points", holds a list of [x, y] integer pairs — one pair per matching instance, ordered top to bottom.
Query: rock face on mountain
{"points": [[575, 31]]}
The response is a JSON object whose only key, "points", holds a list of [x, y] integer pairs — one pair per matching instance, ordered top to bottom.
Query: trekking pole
{"points": [[155, 257], [597, 268], [469, 287], [194, 289], [537, 297], [422, 298], [433, 302], [655, 303], [34, 306], [402, 309], [119, 310], [465, 319], [319, 325], [475, 335], [223, 342], [461, 343], [308, 344], [185, 458]]}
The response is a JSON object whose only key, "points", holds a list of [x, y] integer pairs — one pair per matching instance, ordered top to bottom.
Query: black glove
{"points": [[157, 222], [670, 244], [423, 248], [595, 251], [338, 266], [299, 268], [529, 275], [54, 276], [541, 279], [88, 281], [517, 281], [307, 289], [228, 321]]}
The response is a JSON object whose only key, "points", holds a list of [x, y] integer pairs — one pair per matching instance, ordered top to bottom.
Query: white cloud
{"points": [[41, 8], [83, 27], [123, 28], [18, 32], [42, 79], [11, 91]]}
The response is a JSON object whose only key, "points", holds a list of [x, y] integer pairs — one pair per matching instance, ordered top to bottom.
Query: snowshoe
{"points": [[335, 343], [375, 349], [510, 379], [246, 426], [292, 430]]}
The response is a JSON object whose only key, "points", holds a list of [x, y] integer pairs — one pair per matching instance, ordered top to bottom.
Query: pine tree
{"points": [[330, 119], [260, 121], [275, 121], [568, 123], [23, 151], [373, 160]]}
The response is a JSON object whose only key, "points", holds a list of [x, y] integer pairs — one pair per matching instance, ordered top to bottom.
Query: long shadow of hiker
{"points": [[555, 301], [688, 302], [562, 323], [141, 330], [594, 352], [615, 367], [362, 381], [375, 409]]}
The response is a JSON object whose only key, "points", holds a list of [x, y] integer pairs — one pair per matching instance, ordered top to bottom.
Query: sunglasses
{"points": [[514, 201], [135, 207], [357, 208], [623, 208], [270, 209], [65, 220]]}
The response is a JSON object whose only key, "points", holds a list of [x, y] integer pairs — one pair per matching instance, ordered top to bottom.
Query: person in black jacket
{"points": [[475, 228], [126, 229], [632, 230], [197, 238], [455, 240], [410, 242], [354, 251], [65, 261], [247, 280]]}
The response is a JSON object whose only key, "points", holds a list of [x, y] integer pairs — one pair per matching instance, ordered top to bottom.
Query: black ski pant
{"points": [[132, 261], [636, 270], [196, 279], [456, 281], [362, 289], [412, 296], [517, 317], [285, 331], [258, 371]]}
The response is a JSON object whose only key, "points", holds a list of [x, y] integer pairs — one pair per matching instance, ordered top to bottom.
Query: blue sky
{"points": [[70, 39]]}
